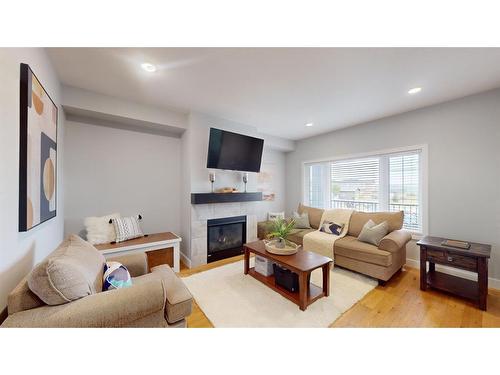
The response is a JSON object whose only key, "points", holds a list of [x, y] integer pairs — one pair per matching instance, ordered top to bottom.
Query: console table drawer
{"points": [[444, 257]]}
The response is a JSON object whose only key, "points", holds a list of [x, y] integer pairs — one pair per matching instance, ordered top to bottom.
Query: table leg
{"points": [[246, 263], [432, 266], [423, 268], [326, 279], [482, 280], [303, 290]]}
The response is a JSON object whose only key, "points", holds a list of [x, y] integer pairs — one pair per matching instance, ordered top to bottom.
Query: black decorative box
{"points": [[285, 278]]}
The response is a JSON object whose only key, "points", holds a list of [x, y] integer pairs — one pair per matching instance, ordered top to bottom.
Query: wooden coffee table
{"points": [[302, 263]]}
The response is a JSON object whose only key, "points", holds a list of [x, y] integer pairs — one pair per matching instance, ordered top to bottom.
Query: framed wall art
{"points": [[38, 152]]}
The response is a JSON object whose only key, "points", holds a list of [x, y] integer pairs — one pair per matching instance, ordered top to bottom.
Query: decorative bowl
{"points": [[289, 249]]}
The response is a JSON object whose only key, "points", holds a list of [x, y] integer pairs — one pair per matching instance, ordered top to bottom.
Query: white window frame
{"points": [[384, 178]]}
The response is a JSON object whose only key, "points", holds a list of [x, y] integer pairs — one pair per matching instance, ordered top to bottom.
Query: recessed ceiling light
{"points": [[148, 67], [414, 90], [309, 124]]}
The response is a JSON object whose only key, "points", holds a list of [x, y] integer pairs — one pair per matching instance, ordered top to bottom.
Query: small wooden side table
{"points": [[160, 248], [474, 259]]}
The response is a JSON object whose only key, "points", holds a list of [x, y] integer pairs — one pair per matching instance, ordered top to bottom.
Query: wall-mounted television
{"points": [[227, 150]]}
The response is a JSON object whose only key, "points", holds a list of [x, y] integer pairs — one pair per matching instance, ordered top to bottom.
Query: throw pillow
{"points": [[275, 215], [301, 220], [331, 227], [127, 228], [100, 230], [373, 233], [72, 271], [115, 276]]}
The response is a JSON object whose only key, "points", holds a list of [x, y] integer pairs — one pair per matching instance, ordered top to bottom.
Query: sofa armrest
{"points": [[395, 240], [136, 263], [179, 300], [114, 308]]}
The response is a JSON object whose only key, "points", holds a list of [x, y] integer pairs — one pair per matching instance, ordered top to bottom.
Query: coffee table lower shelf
{"points": [[313, 294]]}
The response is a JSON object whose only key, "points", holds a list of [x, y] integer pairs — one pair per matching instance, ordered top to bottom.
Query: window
{"points": [[382, 182]]}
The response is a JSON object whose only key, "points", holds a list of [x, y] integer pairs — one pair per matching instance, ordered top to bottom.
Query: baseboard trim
{"points": [[185, 260], [492, 282], [3, 315]]}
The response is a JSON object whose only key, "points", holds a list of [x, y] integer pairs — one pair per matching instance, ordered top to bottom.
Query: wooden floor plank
{"points": [[400, 303]]}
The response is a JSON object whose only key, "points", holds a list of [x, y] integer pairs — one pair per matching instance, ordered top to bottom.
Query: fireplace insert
{"points": [[225, 237]]}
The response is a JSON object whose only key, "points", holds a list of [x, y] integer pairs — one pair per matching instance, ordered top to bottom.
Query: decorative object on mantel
{"points": [[38, 152], [212, 180], [245, 180], [225, 190], [205, 198], [277, 243]]}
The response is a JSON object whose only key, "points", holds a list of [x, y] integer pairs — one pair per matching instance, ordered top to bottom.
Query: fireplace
{"points": [[225, 237]]}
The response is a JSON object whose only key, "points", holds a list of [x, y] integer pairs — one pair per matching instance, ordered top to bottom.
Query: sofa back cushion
{"points": [[314, 214], [359, 219], [74, 270]]}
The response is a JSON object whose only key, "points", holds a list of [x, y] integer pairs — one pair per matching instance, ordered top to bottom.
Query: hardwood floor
{"points": [[399, 303]]}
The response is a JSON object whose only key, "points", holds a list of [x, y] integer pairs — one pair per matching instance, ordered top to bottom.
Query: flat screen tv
{"points": [[227, 150]]}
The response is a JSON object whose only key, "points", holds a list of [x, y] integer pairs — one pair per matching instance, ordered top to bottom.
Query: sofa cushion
{"points": [[315, 214], [359, 219], [301, 221], [373, 233], [297, 235], [350, 247], [74, 270], [178, 299]]}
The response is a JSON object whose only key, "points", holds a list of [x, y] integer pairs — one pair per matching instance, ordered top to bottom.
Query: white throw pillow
{"points": [[275, 215], [127, 228], [100, 230], [372, 233]]}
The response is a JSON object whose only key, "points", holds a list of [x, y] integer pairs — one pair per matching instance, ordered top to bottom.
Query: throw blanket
{"points": [[321, 242]]}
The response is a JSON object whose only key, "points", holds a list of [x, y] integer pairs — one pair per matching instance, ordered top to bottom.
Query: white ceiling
{"points": [[279, 90]]}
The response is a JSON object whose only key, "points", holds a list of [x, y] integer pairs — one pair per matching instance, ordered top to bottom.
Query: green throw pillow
{"points": [[301, 221], [373, 233]]}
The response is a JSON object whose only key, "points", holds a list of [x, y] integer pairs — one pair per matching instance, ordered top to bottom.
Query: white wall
{"points": [[463, 138], [114, 170], [20, 251]]}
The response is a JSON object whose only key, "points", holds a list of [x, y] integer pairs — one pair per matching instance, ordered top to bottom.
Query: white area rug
{"points": [[231, 299]]}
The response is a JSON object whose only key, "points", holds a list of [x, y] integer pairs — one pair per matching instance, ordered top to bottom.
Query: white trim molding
{"points": [[185, 260]]}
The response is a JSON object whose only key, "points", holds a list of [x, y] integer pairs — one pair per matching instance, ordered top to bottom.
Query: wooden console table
{"points": [[160, 248], [474, 259]]}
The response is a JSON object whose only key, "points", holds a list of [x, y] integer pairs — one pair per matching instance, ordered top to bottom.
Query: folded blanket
{"points": [[321, 242]]}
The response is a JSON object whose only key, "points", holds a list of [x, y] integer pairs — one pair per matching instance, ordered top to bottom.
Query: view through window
{"points": [[386, 182]]}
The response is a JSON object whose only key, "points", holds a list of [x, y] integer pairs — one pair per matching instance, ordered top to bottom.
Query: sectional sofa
{"points": [[380, 262]]}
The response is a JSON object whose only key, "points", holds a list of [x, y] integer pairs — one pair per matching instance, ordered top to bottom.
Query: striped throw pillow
{"points": [[127, 228]]}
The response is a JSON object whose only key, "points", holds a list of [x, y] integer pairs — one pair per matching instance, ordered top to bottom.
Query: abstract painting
{"points": [[38, 152]]}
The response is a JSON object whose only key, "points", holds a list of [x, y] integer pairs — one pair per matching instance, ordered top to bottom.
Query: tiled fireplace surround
{"points": [[200, 213]]}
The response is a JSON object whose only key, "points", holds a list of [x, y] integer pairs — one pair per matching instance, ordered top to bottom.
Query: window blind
{"points": [[355, 184], [404, 188]]}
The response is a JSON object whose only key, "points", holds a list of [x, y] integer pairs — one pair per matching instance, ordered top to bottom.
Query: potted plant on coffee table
{"points": [[278, 244]]}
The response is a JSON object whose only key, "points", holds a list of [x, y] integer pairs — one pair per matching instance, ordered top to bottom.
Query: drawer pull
{"points": [[450, 259]]}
